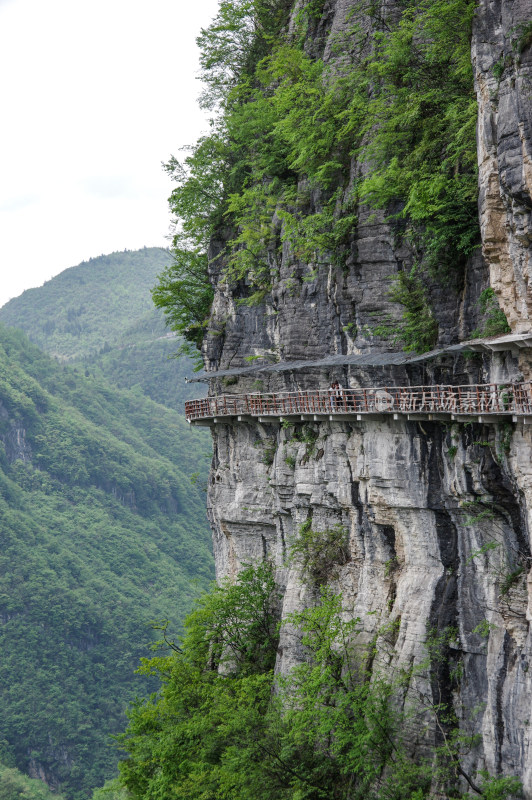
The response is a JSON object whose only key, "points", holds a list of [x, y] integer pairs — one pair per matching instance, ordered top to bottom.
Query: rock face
{"points": [[502, 60], [13, 437], [438, 516]]}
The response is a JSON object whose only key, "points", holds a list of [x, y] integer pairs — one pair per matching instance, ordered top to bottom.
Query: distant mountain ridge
{"points": [[92, 306], [100, 313]]}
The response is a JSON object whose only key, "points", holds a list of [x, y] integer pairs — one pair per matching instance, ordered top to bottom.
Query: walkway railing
{"points": [[487, 398]]}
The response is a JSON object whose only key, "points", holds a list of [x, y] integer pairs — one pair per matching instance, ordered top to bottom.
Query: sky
{"points": [[94, 96]]}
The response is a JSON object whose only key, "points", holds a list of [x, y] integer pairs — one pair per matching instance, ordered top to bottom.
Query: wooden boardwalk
{"points": [[482, 402]]}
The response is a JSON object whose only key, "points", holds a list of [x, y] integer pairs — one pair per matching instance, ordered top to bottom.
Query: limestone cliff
{"points": [[503, 75], [439, 516]]}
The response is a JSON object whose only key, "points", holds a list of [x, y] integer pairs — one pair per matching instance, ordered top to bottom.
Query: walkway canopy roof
{"points": [[512, 341]]}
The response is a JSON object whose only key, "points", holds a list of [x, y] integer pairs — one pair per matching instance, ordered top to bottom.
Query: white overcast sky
{"points": [[93, 97]]}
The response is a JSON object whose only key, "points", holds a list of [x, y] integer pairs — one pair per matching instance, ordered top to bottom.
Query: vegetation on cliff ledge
{"points": [[300, 143], [14, 785]]}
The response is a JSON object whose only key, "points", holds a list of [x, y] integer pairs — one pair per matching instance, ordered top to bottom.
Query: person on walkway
{"points": [[332, 395], [339, 395]]}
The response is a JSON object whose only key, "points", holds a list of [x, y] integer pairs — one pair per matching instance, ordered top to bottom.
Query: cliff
{"points": [[437, 515]]}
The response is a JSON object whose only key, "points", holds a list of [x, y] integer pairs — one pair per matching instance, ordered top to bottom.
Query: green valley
{"points": [[101, 533]]}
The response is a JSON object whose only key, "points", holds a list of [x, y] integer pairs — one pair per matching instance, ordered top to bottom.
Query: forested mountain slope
{"points": [[89, 307], [101, 312], [101, 531]]}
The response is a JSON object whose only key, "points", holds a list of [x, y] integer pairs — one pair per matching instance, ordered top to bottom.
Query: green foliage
{"points": [[312, 8], [524, 40], [235, 42], [231, 48], [498, 69], [425, 111], [276, 167], [185, 294], [495, 322], [418, 329], [505, 433], [303, 434], [306, 434], [270, 448], [476, 511], [101, 532], [390, 566], [511, 578], [235, 626], [484, 628], [438, 641], [342, 725], [221, 728], [221, 734], [201, 737], [16, 786], [500, 788], [111, 790]]}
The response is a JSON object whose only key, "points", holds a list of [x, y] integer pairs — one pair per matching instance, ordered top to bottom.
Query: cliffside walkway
{"points": [[482, 402]]}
